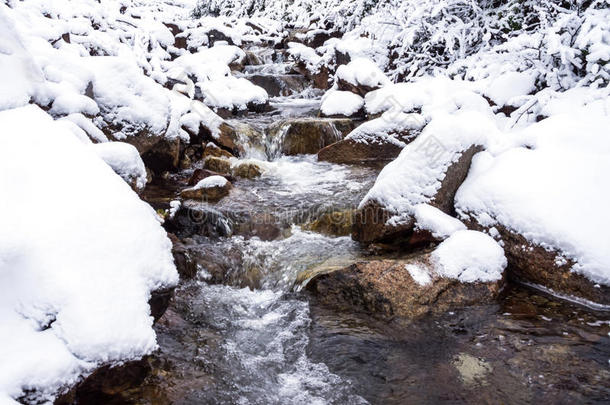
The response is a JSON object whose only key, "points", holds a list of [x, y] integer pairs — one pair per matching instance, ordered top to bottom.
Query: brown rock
{"points": [[279, 85], [359, 89], [306, 135], [214, 150], [349, 151], [217, 164], [247, 170], [200, 174], [212, 193], [338, 223], [534, 264], [385, 288]]}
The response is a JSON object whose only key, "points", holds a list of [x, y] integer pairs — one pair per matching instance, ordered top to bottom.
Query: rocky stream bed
{"points": [[248, 325]]}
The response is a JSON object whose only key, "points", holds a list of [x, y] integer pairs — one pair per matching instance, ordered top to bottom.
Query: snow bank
{"points": [[345, 103], [415, 175], [554, 192], [470, 256], [79, 257]]}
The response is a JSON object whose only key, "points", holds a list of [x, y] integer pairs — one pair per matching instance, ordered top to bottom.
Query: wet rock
{"points": [[252, 59], [280, 85], [307, 136], [239, 138], [214, 150], [350, 151], [217, 164], [247, 170], [200, 174], [210, 189], [194, 218], [371, 221], [338, 223], [264, 226], [183, 258], [534, 264], [384, 288], [159, 301], [107, 384]]}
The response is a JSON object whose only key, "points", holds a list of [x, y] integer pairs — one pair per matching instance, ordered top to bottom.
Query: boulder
{"points": [[360, 76], [319, 77], [279, 85], [306, 135], [240, 138], [376, 141], [211, 149], [349, 151], [217, 164], [433, 165], [247, 170], [200, 174], [211, 188], [194, 218], [337, 223], [536, 265], [467, 268], [386, 289]]}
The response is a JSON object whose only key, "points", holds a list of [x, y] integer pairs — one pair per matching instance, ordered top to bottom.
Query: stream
{"points": [[244, 332]]}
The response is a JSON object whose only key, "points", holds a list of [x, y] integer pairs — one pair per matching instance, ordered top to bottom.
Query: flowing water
{"points": [[242, 332]]}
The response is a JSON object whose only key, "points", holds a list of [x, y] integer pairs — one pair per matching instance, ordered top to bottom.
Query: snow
{"points": [[362, 72], [20, 74], [510, 85], [432, 95], [344, 103], [392, 127], [125, 160], [415, 175], [211, 182], [553, 192], [439, 224], [470, 257], [77, 270], [419, 274]]}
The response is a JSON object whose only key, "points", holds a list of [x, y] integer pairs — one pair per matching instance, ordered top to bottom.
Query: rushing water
{"points": [[251, 337]]}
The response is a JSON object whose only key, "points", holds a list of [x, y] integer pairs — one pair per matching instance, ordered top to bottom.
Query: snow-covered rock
{"points": [[360, 76], [341, 103], [376, 141], [125, 160], [428, 170], [211, 188], [549, 201], [80, 255], [469, 256]]}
